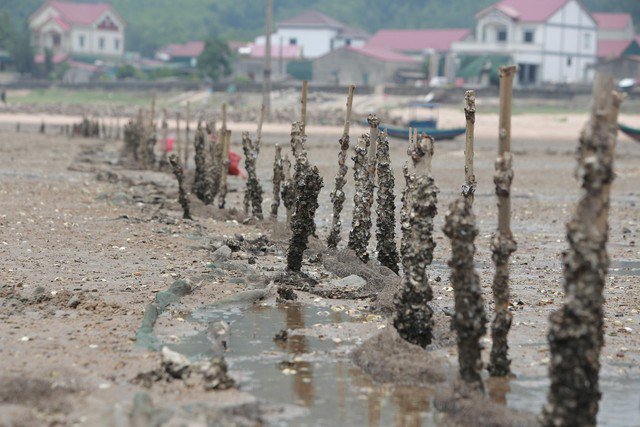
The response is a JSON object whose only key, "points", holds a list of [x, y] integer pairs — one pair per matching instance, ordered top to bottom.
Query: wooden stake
{"points": [[303, 107], [224, 117], [347, 117], [260, 122], [176, 143], [187, 143], [469, 187]]}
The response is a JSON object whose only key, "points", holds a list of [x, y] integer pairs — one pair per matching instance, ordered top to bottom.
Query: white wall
{"points": [[314, 42], [570, 45]]}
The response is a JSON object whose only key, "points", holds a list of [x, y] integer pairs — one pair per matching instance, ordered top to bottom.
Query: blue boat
{"points": [[427, 126]]}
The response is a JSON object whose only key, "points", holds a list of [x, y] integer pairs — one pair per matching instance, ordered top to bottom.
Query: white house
{"points": [[614, 26], [78, 29], [316, 33], [551, 41]]}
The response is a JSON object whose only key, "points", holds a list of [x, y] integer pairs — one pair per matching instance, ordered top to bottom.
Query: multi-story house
{"points": [[93, 30], [317, 34], [551, 41]]}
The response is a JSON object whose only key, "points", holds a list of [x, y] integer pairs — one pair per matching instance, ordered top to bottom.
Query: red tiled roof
{"points": [[527, 10], [79, 13], [312, 18], [612, 21], [63, 24], [418, 40], [612, 48], [191, 49], [288, 51], [381, 53]]}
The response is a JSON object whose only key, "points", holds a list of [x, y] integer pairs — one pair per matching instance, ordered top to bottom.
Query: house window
{"points": [[501, 35], [528, 36], [56, 40], [81, 41], [293, 41], [587, 41], [347, 42], [101, 43], [116, 44], [569, 61]]}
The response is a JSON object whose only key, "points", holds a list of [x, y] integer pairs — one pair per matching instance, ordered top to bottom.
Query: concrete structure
{"points": [[78, 29], [316, 33], [551, 41], [434, 44], [250, 61], [367, 65]]}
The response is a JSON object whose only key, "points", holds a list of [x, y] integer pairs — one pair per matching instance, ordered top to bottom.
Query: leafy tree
{"points": [[215, 61]]}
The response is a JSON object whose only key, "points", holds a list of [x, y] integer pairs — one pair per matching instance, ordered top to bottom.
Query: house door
{"points": [[527, 74]]}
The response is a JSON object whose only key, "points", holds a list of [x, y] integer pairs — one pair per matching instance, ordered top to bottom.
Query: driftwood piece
{"points": [[576, 335]]}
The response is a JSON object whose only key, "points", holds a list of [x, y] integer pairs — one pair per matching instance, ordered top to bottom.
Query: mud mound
{"points": [[344, 263], [389, 358], [43, 395], [455, 410]]}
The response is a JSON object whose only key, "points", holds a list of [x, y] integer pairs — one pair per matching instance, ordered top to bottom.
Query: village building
{"points": [[77, 30], [315, 33], [551, 41], [432, 44], [618, 45], [185, 55], [249, 63], [366, 65]]}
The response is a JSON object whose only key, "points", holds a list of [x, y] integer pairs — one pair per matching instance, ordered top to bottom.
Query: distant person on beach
{"points": [[3, 97]]}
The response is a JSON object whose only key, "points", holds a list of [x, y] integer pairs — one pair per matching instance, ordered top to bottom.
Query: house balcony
{"points": [[495, 48]]}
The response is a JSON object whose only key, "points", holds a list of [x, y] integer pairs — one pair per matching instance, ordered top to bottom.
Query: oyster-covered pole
{"points": [[187, 130], [224, 169], [202, 182], [277, 182], [308, 182], [469, 186], [288, 191], [253, 193], [337, 195], [183, 199], [386, 208], [361, 222], [502, 243], [413, 314], [469, 319], [576, 335]]}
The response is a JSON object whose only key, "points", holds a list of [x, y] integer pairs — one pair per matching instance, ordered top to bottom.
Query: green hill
{"points": [[153, 23]]}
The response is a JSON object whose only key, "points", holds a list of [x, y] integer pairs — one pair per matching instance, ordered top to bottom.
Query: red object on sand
{"points": [[169, 144], [234, 164]]}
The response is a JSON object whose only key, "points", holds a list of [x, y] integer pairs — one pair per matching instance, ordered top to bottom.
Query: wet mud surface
{"points": [[86, 246]]}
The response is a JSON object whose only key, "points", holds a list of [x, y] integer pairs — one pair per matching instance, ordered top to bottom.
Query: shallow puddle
{"points": [[625, 268], [314, 373]]}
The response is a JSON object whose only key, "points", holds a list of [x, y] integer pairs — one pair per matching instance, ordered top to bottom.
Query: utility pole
{"points": [[266, 81]]}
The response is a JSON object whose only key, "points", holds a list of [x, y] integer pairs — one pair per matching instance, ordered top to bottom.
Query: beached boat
{"points": [[427, 125], [630, 132]]}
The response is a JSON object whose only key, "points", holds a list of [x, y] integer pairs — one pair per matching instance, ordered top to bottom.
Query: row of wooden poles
{"points": [[576, 328]]}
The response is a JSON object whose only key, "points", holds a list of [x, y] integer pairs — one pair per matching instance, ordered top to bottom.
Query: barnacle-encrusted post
{"points": [[186, 135], [217, 148], [224, 172], [202, 181], [277, 181], [308, 182], [469, 187], [288, 190], [253, 193], [182, 194], [337, 195], [386, 208], [361, 222], [502, 243], [413, 315], [470, 318], [576, 335]]}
